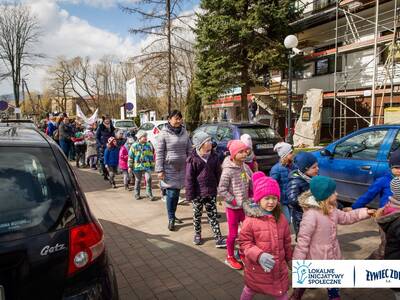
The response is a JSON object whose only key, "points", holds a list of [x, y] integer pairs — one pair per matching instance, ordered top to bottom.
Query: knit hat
{"points": [[141, 133], [89, 134], [78, 135], [199, 139], [246, 139], [235, 146], [283, 149], [394, 160], [304, 161], [264, 186], [322, 187]]}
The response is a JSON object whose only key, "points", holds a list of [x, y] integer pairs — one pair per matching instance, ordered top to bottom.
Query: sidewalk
{"points": [[154, 263]]}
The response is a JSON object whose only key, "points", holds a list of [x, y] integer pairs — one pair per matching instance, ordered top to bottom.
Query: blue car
{"points": [[263, 136], [356, 160]]}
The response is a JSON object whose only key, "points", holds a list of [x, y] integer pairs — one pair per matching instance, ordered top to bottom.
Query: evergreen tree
{"points": [[239, 41], [193, 108]]}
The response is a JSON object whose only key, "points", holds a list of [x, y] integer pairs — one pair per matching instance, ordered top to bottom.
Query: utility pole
{"points": [[168, 8]]}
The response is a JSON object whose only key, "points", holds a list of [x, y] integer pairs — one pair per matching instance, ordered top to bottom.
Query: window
{"points": [[321, 4], [388, 50], [326, 65], [125, 123], [147, 126], [211, 130], [260, 132], [224, 133], [396, 143], [363, 146], [33, 193]]}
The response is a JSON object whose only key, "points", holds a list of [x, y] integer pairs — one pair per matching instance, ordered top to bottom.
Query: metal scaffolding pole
{"points": [[335, 73], [373, 99]]}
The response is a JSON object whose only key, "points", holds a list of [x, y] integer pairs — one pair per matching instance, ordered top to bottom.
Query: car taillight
{"points": [[155, 130], [86, 243]]}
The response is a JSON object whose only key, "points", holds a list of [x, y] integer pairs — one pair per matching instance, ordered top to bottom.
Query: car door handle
{"points": [[366, 168]]}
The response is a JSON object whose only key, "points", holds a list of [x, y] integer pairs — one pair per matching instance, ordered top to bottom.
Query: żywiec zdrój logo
{"points": [[301, 272]]}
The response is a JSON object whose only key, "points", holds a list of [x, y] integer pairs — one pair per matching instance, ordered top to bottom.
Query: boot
{"points": [[171, 225]]}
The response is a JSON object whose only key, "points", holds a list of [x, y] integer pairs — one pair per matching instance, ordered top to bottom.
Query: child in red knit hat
{"points": [[234, 187], [265, 241]]}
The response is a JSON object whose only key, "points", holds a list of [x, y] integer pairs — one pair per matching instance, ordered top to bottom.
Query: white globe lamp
{"points": [[291, 42]]}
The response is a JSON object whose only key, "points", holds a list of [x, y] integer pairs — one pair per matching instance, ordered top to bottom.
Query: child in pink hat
{"points": [[234, 187], [265, 241]]}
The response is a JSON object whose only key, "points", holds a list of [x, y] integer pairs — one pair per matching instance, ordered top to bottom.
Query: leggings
{"points": [[210, 204], [234, 217], [248, 294]]}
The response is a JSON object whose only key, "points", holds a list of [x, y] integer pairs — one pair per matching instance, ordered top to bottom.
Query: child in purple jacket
{"points": [[203, 171]]}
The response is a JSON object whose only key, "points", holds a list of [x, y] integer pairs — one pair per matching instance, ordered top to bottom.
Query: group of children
{"points": [[132, 157], [265, 206]]}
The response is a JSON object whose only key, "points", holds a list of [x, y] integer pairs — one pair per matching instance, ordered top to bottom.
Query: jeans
{"points": [[65, 146], [127, 177], [138, 181], [172, 202], [287, 212]]}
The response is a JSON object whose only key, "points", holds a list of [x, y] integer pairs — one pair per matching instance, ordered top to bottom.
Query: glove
{"points": [[266, 261]]}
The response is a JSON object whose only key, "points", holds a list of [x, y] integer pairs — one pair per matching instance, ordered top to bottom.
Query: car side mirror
{"points": [[326, 152]]}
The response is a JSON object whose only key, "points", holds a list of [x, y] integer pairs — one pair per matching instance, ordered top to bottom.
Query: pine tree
{"points": [[239, 41]]}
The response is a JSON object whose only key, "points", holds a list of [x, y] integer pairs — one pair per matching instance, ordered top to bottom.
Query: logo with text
{"points": [[305, 274]]}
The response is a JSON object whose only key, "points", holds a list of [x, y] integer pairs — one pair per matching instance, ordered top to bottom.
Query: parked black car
{"points": [[263, 136], [51, 245]]}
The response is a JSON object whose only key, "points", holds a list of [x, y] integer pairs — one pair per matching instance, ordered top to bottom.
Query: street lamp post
{"points": [[291, 43]]}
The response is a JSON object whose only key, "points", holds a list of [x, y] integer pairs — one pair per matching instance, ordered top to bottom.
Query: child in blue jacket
{"points": [[111, 158], [280, 172], [381, 188]]}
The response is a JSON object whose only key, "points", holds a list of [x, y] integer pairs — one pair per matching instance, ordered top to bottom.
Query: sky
{"points": [[91, 28]]}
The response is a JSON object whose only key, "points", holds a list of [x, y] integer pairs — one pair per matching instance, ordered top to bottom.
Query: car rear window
{"points": [[124, 124], [261, 132], [32, 191]]}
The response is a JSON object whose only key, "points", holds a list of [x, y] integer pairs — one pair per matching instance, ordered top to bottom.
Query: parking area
{"points": [[154, 263]]}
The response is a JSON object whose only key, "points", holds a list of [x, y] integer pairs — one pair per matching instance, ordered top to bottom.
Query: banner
{"points": [[131, 109], [86, 120], [346, 274]]}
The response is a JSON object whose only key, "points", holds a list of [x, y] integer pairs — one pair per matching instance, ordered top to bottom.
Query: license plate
{"points": [[264, 146], [2, 295]]}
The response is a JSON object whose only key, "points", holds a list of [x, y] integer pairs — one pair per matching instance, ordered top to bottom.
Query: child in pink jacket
{"points": [[123, 161], [234, 187], [317, 237], [265, 242]]}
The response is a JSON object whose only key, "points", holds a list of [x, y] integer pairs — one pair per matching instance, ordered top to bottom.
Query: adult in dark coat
{"points": [[103, 133], [65, 134], [203, 171]]}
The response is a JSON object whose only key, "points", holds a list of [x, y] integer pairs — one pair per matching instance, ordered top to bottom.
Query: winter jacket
{"points": [[51, 127], [65, 131], [103, 134], [91, 148], [172, 150], [111, 156], [123, 157], [141, 157], [281, 174], [202, 177], [235, 183], [297, 185], [381, 187], [390, 224], [262, 233], [317, 238]]}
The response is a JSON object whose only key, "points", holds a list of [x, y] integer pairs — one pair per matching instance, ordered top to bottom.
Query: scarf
{"points": [[176, 130], [203, 157], [304, 176]]}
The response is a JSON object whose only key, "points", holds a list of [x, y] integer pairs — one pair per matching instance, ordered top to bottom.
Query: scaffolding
{"points": [[369, 80]]}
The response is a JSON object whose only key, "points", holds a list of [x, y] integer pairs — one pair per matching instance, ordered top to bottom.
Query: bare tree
{"points": [[163, 23], [19, 31]]}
